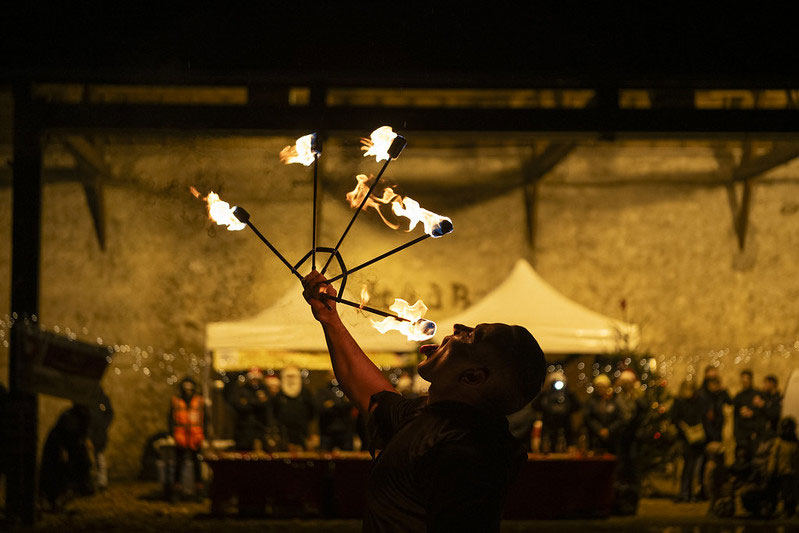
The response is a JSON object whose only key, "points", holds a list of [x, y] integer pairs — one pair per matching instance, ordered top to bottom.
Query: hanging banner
{"points": [[59, 366]]}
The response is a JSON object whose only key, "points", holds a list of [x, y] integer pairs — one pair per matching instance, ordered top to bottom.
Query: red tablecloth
{"points": [[334, 485]]}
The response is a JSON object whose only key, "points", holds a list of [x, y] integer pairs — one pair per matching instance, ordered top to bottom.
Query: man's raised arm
{"points": [[357, 375]]}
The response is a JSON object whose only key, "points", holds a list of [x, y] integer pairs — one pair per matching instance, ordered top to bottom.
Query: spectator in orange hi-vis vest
{"points": [[187, 426]]}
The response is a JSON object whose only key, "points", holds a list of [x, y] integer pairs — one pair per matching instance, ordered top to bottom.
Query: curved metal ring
{"points": [[339, 260]]}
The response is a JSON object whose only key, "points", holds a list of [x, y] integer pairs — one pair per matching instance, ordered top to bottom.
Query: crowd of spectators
{"points": [[277, 412], [763, 476]]}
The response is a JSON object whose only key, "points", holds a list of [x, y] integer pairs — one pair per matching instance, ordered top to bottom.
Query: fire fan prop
{"points": [[385, 145]]}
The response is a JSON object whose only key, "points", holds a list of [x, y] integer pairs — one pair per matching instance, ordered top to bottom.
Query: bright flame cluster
{"points": [[378, 143], [301, 152], [401, 206], [410, 209], [220, 211], [417, 329]]}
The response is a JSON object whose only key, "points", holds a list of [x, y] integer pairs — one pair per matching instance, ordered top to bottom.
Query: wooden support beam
{"points": [[602, 120], [92, 163], [753, 167], [533, 171], [746, 173], [49, 175], [740, 209], [531, 214], [25, 265]]}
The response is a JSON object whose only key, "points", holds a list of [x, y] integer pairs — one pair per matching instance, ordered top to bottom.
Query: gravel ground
{"points": [[137, 507]]}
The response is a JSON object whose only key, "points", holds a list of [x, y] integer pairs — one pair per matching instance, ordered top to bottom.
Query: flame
{"points": [[378, 142], [301, 152], [356, 196], [219, 211], [434, 225], [364, 296], [417, 329]]}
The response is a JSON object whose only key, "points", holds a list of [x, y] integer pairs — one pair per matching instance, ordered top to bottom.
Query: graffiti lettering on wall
{"points": [[452, 296]]}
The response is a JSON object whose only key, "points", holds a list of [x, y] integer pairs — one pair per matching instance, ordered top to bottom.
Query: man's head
{"points": [[496, 365], [711, 372], [254, 377], [746, 379], [627, 380], [291, 381], [555, 381], [272, 383], [770, 384], [602, 385], [187, 386], [687, 389], [786, 429]]}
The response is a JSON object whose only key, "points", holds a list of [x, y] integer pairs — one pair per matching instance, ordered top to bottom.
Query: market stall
{"points": [[312, 485]]}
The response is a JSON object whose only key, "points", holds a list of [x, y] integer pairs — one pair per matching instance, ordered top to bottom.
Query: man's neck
{"points": [[436, 396]]}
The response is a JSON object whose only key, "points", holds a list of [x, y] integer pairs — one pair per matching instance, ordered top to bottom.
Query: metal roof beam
{"points": [[603, 121]]}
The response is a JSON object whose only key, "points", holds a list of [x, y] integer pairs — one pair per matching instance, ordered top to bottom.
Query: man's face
{"points": [[459, 351], [627, 381], [746, 381], [291, 382], [272, 384], [769, 387], [188, 388]]}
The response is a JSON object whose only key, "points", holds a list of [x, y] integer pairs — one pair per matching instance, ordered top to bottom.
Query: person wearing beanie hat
{"points": [[446, 459]]}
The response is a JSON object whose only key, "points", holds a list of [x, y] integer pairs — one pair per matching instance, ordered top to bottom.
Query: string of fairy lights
{"points": [[148, 361], [152, 362]]}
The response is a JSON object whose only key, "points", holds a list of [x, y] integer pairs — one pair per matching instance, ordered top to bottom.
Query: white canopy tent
{"points": [[560, 325], [287, 333]]}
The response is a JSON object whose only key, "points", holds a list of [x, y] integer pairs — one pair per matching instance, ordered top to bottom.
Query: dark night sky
{"points": [[657, 43]]}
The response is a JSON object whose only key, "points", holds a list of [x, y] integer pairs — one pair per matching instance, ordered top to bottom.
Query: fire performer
{"points": [[446, 459]]}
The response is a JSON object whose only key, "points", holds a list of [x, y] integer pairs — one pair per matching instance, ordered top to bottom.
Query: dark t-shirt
{"points": [[747, 428], [443, 467]]}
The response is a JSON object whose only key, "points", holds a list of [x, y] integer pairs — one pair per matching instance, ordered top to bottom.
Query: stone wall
{"points": [[614, 222]]}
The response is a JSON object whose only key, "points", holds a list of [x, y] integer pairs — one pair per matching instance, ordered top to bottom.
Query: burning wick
{"points": [[384, 144], [304, 151], [219, 211], [236, 218], [434, 225], [409, 321]]}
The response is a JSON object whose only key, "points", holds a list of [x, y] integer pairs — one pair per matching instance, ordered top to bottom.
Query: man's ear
{"points": [[473, 376]]}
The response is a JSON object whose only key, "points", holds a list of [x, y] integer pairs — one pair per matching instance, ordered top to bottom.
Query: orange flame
{"points": [[378, 143], [301, 152], [356, 196], [407, 207], [410, 209], [219, 211], [364, 296], [417, 329]]}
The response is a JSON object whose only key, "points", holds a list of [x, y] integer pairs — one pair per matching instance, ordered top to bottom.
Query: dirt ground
{"points": [[139, 507]]}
